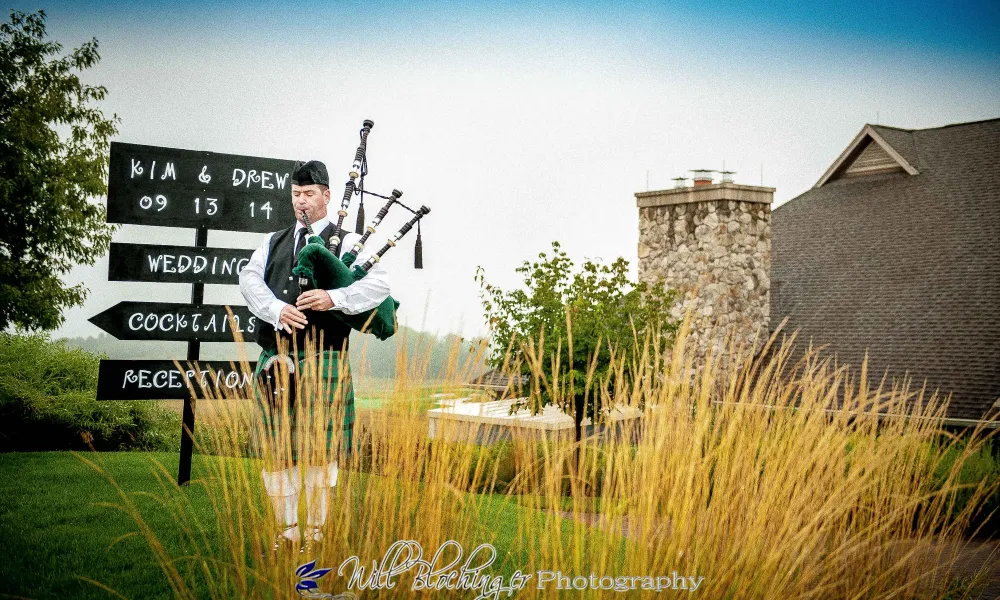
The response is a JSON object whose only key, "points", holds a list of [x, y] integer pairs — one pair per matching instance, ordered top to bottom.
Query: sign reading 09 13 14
{"points": [[150, 185]]}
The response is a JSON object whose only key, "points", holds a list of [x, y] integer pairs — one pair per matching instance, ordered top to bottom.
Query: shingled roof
{"points": [[901, 256], [493, 380]]}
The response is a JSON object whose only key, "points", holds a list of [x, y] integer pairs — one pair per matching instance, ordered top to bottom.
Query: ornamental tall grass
{"points": [[752, 478]]}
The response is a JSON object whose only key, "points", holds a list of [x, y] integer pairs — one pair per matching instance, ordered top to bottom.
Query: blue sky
{"points": [[969, 29], [523, 123]]}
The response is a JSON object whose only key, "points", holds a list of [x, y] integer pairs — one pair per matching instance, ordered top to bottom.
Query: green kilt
{"points": [[337, 389]]}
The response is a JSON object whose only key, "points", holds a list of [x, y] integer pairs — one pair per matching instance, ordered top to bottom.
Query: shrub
{"points": [[578, 320], [48, 402], [980, 466]]}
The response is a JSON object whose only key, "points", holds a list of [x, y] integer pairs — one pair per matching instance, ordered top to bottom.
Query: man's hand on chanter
{"points": [[314, 300], [291, 317]]}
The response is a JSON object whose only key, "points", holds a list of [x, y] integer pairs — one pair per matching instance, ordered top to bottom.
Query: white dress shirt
{"points": [[364, 294]]}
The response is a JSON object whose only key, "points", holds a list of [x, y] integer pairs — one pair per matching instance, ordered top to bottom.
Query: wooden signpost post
{"points": [[169, 187]]}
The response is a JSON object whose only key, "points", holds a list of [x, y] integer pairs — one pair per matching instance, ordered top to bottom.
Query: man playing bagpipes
{"points": [[300, 319]]}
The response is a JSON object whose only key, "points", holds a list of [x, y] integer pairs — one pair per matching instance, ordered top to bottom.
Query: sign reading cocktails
{"points": [[177, 322]]}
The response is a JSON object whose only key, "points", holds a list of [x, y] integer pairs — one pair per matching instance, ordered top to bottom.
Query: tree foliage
{"points": [[53, 159], [567, 322]]}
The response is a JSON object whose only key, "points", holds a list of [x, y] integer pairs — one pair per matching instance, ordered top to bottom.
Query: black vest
{"points": [[284, 285]]}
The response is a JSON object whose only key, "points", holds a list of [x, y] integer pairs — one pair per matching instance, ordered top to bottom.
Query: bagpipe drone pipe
{"points": [[318, 266]]}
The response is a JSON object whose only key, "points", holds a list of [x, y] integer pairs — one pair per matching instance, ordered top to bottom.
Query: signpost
{"points": [[170, 187]]}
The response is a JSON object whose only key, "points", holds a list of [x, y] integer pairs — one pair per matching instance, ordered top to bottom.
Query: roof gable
{"points": [[868, 153]]}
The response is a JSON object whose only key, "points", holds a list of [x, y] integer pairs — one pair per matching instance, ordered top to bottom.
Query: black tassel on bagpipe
{"points": [[417, 215], [359, 227], [418, 251]]}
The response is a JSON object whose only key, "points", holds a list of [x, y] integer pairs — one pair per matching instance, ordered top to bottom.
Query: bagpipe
{"points": [[319, 267]]}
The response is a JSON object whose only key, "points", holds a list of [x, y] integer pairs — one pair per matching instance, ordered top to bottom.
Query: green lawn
{"points": [[53, 532]]}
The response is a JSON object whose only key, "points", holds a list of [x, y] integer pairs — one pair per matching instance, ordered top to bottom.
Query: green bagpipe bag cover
{"points": [[327, 272]]}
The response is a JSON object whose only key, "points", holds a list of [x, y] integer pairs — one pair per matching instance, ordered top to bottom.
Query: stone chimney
{"points": [[713, 244]]}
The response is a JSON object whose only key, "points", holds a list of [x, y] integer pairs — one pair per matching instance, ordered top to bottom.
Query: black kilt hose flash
{"points": [[316, 397]]}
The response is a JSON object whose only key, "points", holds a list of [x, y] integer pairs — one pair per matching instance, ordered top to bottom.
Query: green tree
{"points": [[53, 160], [567, 329]]}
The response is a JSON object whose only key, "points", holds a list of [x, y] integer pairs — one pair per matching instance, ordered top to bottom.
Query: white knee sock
{"points": [[318, 481], [283, 489], [286, 508]]}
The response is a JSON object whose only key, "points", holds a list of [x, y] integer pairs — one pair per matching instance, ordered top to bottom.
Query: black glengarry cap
{"points": [[308, 173]]}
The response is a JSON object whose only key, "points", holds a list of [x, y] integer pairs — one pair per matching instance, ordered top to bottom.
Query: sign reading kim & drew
{"points": [[169, 187]]}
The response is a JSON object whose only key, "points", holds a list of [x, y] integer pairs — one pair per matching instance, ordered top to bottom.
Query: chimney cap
{"points": [[702, 176]]}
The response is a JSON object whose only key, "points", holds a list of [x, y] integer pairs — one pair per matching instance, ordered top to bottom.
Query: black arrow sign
{"points": [[171, 187], [176, 264], [168, 321], [162, 380]]}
